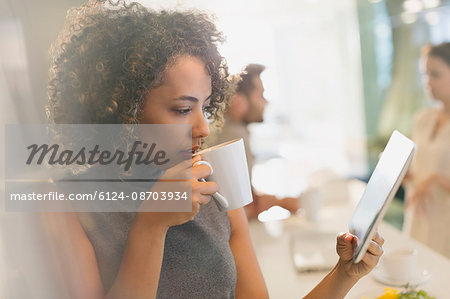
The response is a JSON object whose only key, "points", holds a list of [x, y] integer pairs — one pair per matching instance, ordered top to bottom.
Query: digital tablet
{"points": [[381, 188]]}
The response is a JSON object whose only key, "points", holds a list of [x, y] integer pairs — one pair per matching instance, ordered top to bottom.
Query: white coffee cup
{"points": [[230, 172], [311, 202], [400, 264]]}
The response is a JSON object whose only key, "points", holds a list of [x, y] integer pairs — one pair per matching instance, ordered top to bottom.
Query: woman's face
{"points": [[438, 81], [181, 98]]}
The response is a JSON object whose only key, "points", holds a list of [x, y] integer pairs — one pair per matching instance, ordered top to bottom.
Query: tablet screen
{"points": [[381, 188]]}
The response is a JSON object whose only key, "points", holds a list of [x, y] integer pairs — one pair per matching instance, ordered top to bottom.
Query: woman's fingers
{"points": [[195, 159], [186, 170], [181, 171], [200, 171], [204, 188], [202, 191], [203, 199], [378, 238], [346, 239], [345, 245], [375, 249], [370, 260]]}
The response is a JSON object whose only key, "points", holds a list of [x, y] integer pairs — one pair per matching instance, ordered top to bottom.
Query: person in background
{"points": [[246, 105], [428, 181]]}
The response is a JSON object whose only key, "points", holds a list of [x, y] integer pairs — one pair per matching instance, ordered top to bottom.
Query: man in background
{"points": [[247, 106]]}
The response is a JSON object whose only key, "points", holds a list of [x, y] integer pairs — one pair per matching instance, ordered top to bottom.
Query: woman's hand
{"points": [[201, 194], [345, 246], [345, 274]]}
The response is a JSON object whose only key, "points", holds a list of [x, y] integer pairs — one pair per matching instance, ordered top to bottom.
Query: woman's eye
{"points": [[183, 110]]}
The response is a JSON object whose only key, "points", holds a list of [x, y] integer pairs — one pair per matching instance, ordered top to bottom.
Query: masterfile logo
{"points": [[102, 168]]}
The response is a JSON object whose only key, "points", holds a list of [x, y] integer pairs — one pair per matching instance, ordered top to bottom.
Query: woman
{"points": [[133, 65], [428, 188]]}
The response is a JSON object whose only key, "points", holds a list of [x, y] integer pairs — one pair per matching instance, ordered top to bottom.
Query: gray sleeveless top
{"points": [[197, 262]]}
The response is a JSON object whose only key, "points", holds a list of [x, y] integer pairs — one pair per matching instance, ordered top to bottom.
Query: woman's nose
{"points": [[200, 128]]}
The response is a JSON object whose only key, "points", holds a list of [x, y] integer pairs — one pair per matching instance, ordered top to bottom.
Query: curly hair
{"points": [[108, 56]]}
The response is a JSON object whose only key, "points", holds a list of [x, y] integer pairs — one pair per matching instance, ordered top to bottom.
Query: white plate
{"points": [[420, 277]]}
